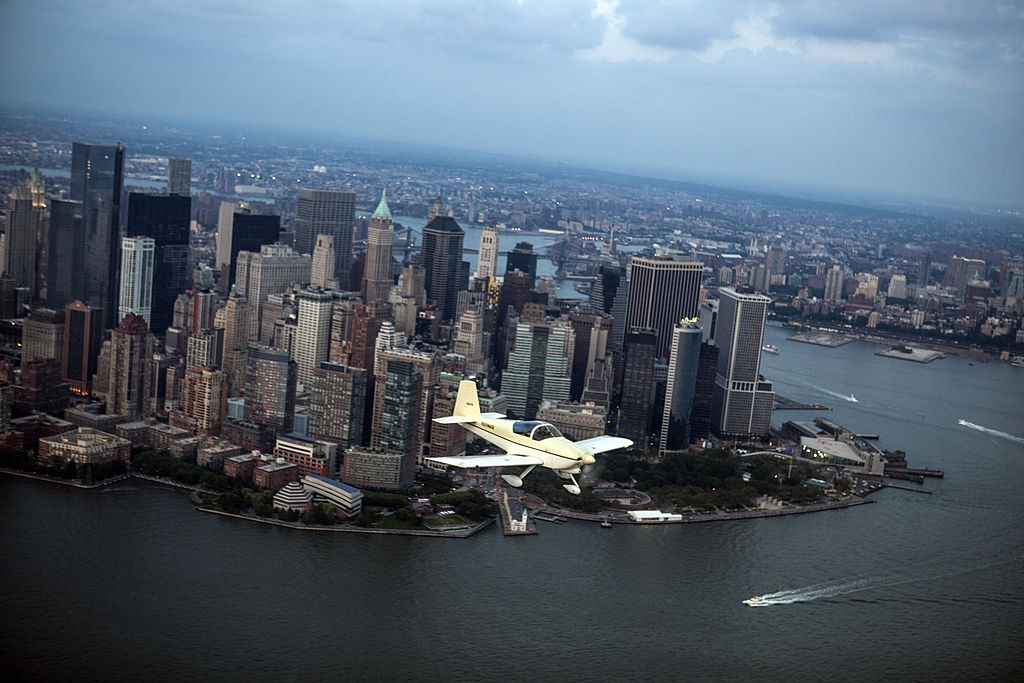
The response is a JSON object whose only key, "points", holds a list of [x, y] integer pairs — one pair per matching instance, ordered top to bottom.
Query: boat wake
{"points": [[835, 394], [993, 432], [808, 593]]}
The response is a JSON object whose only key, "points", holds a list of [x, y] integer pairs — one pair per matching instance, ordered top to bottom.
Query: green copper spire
{"points": [[382, 210]]}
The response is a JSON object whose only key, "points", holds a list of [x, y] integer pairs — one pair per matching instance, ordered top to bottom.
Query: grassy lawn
{"points": [[445, 521], [389, 522]]}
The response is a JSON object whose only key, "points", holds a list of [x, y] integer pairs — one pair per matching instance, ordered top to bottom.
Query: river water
{"points": [[131, 582]]}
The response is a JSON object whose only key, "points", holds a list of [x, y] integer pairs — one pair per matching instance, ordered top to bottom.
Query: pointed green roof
{"points": [[382, 210]]}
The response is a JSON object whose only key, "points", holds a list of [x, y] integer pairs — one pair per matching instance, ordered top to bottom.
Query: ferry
{"points": [[768, 348]]}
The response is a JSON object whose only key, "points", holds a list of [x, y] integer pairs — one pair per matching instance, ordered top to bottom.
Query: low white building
{"points": [[293, 496], [346, 498], [654, 516]]}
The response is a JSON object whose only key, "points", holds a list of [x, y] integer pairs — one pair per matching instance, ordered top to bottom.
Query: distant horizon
{"points": [[899, 202]]}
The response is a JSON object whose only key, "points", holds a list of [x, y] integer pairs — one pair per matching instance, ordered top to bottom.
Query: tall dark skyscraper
{"points": [[96, 179], [327, 212], [165, 218], [249, 232], [523, 259], [442, 260], [65, 279], [662, 290], [83, 337], [637, 385], [681, 388], [743, 399]]}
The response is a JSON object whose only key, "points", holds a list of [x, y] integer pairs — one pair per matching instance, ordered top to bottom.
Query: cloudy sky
{"points": [[917, 97]]}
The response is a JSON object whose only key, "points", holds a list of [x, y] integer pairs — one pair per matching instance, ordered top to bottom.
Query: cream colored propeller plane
{"points": [[526, 442]]}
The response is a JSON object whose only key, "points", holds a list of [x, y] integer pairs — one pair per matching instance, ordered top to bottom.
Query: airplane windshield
{"points": [[524, 427], [545, 431]]}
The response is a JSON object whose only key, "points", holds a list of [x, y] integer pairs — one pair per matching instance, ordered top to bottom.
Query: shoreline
{"points": [[715, 517], [464, 533]]}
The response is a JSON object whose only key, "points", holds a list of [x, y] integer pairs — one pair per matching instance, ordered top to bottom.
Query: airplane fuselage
{"points": [[557, 452]]}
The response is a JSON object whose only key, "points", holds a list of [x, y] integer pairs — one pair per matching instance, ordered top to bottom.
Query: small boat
{"points": [[768, 348], [852, 399], [606, 524], [757, 601]]}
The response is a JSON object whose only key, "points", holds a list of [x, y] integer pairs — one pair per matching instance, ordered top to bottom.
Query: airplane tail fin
{"points": [[467, 402]]}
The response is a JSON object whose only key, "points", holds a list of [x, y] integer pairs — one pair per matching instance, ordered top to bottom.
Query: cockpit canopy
{"points": [[536, 430]]}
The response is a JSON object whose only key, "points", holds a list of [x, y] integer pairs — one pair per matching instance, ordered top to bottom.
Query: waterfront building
{"points": [[179, 176], [96, 181], [327, 212], [165, 219], [487, 258], [442, 261], [65, 272], [322, 274], [136, 277], [377, 280], [662, 290], [312, 332], [42, 335], [83, 338], [428, 364], [538, 366], [130, 382], [637, 386], [681, 387], [270, 389], [703, 397], [743, 399], [338, 404], [84, 446], [213, 451], [843, 454], [311, 455], [241, 466], [367, 468], [274, 474], [293, 496], [348, 499]]}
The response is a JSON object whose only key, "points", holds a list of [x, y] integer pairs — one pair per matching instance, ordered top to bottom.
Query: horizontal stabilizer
{"points": [[493, 416], [456, 419], [601, 444], [490, 460]]}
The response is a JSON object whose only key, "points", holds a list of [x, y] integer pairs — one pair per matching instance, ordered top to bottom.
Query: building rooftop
{"points": [[333, 482]]}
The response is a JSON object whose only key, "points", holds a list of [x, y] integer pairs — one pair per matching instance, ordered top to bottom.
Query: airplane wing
{"points": [[460, 419], [600, 444], [490, 460]]}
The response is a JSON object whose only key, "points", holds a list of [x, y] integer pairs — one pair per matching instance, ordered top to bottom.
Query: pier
{"points": [[783, 403], [514, 519]]}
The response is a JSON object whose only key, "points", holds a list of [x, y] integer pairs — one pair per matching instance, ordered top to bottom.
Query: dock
{"points": [[783, 403], [908, 488], [548, 517], [514, 519]]}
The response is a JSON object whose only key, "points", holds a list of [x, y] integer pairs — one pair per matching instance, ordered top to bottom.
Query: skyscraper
{"points": [[179, 176], [96, 181], [327, 212], [165, 218], [23, 219], [249, 232], [380, 239], [523, 259], [442, 260], [487, 261], [323, 263], [269, 270], [136, 277], [65, 279], [834, 284], [662, 290], [591, 330], [313, 334], [42, 335], [83, 337], [469, 339], [236, 342], [538, 367], [131, 368], [637, 385], [681, 388], [270, 389], [742, 398], [204, 403], [339, 404], [399, 432]]}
